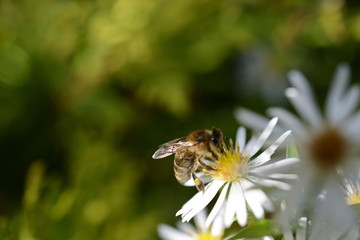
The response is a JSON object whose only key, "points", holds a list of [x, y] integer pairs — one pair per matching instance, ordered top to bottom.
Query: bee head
{"points": [[216, 137]]}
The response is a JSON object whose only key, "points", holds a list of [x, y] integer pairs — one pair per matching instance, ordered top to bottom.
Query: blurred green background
{"points": [[89, 89]]}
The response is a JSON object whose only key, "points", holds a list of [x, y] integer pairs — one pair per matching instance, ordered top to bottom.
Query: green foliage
{"points": [[97, 203], [257, 230]]}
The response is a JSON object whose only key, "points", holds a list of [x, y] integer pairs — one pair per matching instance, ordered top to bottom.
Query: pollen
{"points": [[328, 148], [231, 165], [197, 181], [353, 198], [207, 236]]}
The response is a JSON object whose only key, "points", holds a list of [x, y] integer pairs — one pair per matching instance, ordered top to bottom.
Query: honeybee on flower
{"points": [[238, 174]]}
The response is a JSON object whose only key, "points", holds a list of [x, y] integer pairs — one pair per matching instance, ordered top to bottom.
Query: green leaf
{"points": [[259, 229]]}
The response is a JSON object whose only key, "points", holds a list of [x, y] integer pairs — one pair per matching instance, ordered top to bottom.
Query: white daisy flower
{"points": [[328, 144], [238, 173], [352, 189], [333, 219], [186, 231]]}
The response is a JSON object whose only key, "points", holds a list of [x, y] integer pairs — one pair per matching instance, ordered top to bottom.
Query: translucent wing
{"points": [[172, 147]]}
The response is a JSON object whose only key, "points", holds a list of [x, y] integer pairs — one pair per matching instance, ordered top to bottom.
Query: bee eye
{"points": [[217, 136], [215, 141]]}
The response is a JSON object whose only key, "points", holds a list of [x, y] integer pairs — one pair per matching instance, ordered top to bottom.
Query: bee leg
{"points": [[222, 149], [216, 151], [214, 156], [205, 167], [198, 183]]}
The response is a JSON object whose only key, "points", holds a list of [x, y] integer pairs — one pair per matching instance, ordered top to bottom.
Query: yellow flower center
{"points": [[328, 148], [231, 164], [353, 198], [207, 236]]}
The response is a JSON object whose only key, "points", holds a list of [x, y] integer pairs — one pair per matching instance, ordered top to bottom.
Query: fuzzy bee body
{"points": [[190, 152], [185, 163]]}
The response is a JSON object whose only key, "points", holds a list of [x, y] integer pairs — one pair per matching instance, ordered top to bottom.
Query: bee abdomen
{"points": [[185, 163], [182, 174]]}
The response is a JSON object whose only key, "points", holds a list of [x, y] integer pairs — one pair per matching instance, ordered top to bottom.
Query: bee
{"points": [[190, 151]]}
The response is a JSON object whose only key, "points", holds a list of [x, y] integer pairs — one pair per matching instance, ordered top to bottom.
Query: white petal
{"points": [[299, 81], [337, 89], [349, 102], [305, 106], [251, 119], [255, 121], [290, 121], [351, 127], [241, 137], [263, 137], [249, 145], [265, 156], [279, 166], [282, 176], [261, 180], [352, 180], [246, 184], [349, 190], [254, 199], [204, 200], [219, 203], [189, 204], [235, 206], [241, 212], [229, 214], [200, 219], [218, 225], [187, 228], [169, 233], [268, 238]]}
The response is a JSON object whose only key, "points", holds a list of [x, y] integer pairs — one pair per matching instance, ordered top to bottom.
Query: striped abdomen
{"points": [[185, 163]]}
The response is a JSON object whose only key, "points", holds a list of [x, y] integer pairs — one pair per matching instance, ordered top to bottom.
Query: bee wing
{"points": [[172, 147]]}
